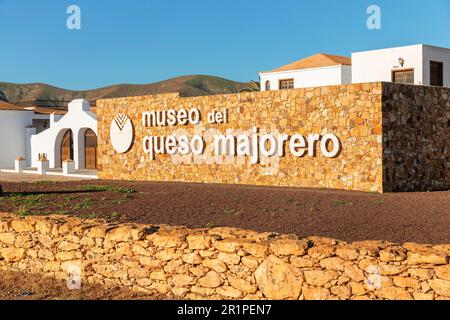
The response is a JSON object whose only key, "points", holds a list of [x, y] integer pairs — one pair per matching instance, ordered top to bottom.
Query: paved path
{"points": [[15, 177]]}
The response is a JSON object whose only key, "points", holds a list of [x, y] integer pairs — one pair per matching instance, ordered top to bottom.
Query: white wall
{"points": [[431, 53], [377, 65], [307, 78], [77, 119], [29, 132], [13, 135]]}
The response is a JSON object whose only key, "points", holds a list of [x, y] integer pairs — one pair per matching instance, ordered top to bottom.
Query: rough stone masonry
{"points": [[394, 137], [222, 263]]}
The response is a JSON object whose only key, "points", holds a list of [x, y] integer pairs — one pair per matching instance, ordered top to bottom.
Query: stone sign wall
{"points": [[352, 113], [390, 137], [221, 263]]}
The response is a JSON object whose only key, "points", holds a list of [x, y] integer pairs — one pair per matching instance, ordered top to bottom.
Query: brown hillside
{"points": [[185, 85], [2, 96]]}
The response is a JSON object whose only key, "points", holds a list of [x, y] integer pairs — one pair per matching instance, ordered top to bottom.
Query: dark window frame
{"points": [[440, 81]]}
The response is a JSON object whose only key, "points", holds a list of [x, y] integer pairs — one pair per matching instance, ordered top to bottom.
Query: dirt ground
{"points": [[349, 216], [21, 286]]}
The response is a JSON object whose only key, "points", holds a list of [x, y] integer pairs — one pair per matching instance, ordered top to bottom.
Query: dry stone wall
{"points": [[222, 263]]}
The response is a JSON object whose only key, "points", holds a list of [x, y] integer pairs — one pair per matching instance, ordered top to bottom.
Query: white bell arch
{"points": [[78, 119]]}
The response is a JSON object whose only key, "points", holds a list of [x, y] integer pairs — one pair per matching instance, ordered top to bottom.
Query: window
{"points": [[436, 73], [403, 76], [287, 84], [267, 85]]}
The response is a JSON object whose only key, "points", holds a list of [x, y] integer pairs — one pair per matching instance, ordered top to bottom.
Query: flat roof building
{"points": [[418, 64], [18, 124]]}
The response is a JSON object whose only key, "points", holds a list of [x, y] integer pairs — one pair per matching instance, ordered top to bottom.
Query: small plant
{"points": [[95, 188], [107, 188], [124, 190], [69, 198], [30, 200], [378, 202], [84, 204], [22, 211], [61, 212], [232, 212], [48, 213], [115, 215], [210, 225]]}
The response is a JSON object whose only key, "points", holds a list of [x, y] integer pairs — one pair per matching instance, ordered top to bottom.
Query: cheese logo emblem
{"points": [[121, 133]]}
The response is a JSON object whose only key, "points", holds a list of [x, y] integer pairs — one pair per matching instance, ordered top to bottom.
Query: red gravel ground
{"points": [[349, 216]]}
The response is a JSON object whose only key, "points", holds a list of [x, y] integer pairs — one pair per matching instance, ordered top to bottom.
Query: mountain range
{"points": [[187, 86]]}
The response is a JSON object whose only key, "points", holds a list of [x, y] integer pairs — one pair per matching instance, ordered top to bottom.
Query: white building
{"points": [[416, 64], [315, 71], [17, 125], [33, 133]]}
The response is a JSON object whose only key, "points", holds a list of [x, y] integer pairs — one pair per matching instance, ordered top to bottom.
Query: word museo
{"points": [[255, 143]]}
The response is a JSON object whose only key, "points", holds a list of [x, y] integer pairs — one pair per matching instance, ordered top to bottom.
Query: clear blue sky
{"points": [[142, 41]]}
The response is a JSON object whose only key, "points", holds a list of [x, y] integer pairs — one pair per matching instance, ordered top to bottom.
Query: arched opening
{"points": [[267, 85], [66, 147], [90, 150]]}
